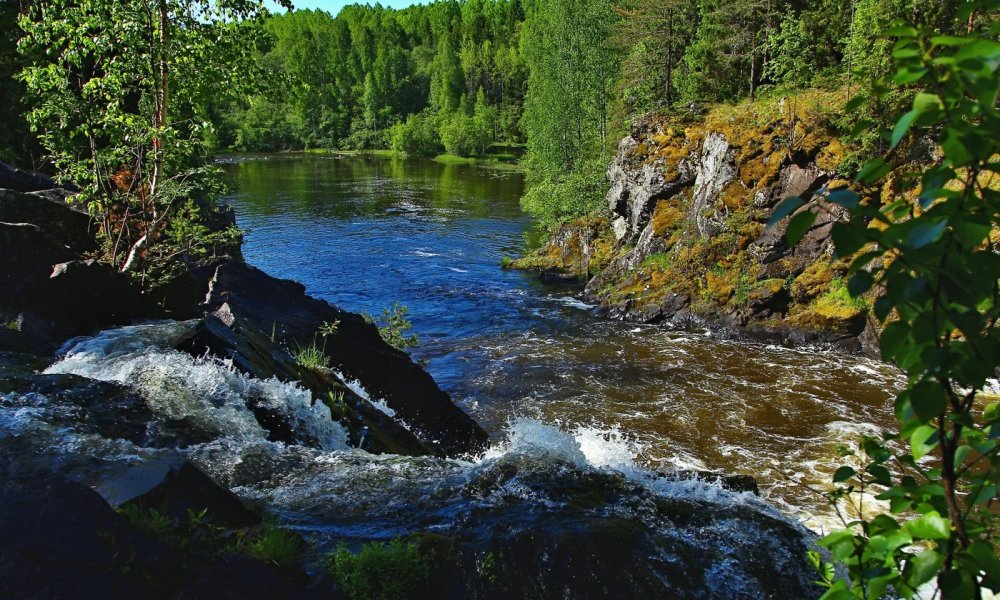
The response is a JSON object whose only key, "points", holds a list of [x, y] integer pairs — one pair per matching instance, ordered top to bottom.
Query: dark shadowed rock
{"points": [[23, 181], [63, 224], [26, 258], [86, 294], [225, 335], [356, 350], [185, 490], [62, 540], [240, 577]]}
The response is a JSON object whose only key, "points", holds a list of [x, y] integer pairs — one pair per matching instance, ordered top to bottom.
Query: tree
{"points": [[659, 30], [572, 69], [118, 89], [928, 250]]}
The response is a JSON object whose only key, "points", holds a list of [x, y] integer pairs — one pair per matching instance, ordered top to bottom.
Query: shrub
{"points": [[463, 135], [418, 136], [393, 325], [279, 547], [379, 571]]}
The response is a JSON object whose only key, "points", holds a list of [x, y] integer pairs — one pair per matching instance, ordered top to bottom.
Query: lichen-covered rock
{"points": [[689, 203]]}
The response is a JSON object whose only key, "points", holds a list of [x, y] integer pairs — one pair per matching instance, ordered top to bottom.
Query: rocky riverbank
{"points": [[684, 238]]}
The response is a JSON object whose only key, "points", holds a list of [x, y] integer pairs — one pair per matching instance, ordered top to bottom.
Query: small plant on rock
{"points": [[393, 325], [380, 571]]}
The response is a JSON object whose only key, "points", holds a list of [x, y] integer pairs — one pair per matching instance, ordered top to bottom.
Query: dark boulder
{"points": [[23, 181], [62, 223], [26, 258], [85, 295], [356, 350], [184, 490], [62, 540], [240, 577]]}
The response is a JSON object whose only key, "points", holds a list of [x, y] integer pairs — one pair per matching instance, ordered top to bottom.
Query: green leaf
{"points": [[902, 31], [925, 101], [902, 126], [873, 171], [844, 197], [785, 208], [798, 226], [926, 233], [847, 239], [859, 283], [929, 399], [923, 440], [843, 474], [881, 474], [930, 526], [924, 567]]}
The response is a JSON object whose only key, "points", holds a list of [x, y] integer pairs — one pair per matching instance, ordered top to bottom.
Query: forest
{"points": [[563, 77]]}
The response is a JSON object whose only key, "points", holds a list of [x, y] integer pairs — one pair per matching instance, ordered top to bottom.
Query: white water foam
{"points": [[209, 391]]}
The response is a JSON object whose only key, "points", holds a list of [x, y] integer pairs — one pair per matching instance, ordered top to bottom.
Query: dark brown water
{"points": [[365, 232]]}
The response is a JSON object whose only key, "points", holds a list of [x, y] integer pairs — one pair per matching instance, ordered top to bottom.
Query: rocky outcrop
{"points": [[688, 208], [356, 351]]}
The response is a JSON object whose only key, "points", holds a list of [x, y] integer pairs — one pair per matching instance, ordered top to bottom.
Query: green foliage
{"points": [[572, 69], [359, 79], [118, 92], [464, 135], [418, 136], [559, 198], [928, 252], [393, 325], [311, 356], [337, 405], [280, 547], [380, 571]]}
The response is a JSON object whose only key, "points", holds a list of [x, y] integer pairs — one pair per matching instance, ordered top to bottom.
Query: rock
{"points": [[715, 170], [23, 181], [636, 188], [62, 223], [26, 258], [85, 295], [230, 337], [356, 350], [185, 490], [62, 540], [511, 546], [240, 577]]}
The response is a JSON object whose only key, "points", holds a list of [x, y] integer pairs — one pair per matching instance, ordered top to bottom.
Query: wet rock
{"points": [[62, 223], [226, 335], [356, 350], [185, 490], [605, 536], [62, 540]]}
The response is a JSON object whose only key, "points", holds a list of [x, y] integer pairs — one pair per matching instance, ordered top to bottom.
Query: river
{"points": [[365, 232]]}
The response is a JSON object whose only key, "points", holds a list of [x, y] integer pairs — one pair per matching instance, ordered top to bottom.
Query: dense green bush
{"points": [[464, 135], [418, 136], [558, 198], [922, 241], [380, 571]]}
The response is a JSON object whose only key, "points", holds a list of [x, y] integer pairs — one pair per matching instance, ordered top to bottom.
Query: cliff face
{"points": [[686, 222]]}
